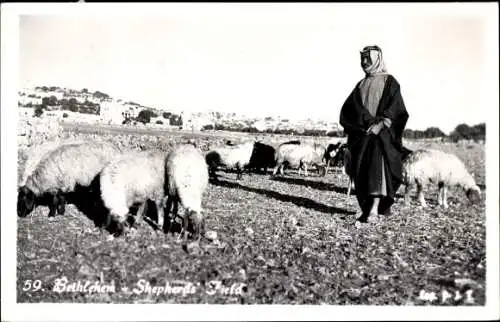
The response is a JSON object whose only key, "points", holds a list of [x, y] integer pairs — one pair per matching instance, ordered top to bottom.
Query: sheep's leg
{"points": [[282, 166], [279, 167], [305, 170], [239, 172], [213, 173], [349, 187], [440, 193], [407, 194], [420, 195], [445, 197], [61, 203], [53, 205], [141, 212], [161, 213], [166, 216], [185, 224]]}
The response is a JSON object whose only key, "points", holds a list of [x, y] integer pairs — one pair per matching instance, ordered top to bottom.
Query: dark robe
{"points": [[367, 150]]}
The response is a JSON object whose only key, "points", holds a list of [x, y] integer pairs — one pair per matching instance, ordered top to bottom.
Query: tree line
{"points": [[71, 104], [146, 115], [461, 132]]}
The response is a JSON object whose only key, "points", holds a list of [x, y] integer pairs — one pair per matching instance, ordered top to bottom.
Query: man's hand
{"points": [[375, 128]]}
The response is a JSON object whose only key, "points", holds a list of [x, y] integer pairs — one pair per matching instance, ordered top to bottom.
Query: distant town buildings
{"points": [[118, 111]]}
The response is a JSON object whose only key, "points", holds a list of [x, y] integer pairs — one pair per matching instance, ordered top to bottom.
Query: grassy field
{"points": [[290, 240]]}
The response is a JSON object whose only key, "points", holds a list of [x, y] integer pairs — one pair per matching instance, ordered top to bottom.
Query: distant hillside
{"points": [[81, 101], [118, 111]]}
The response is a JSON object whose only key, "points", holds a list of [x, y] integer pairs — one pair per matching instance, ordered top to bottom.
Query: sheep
{"points": [[331, 151], [34, 154], [298, 155], [229, 156], [262, 157], [343, 157], [424, 166], [60, 171], [133, 178], [186, 182]]}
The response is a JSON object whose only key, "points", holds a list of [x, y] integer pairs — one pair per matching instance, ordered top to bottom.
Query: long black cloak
{"points": [[367, 150]]}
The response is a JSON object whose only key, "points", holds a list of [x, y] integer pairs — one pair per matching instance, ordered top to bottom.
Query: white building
{"points": [[112, 113], [196, 123]]}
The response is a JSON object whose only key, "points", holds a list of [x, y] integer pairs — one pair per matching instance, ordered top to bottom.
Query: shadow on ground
{"points": [[318, 185], [299, 201]]}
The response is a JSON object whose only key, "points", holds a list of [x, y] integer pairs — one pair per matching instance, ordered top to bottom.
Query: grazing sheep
{"points": [[331, 151], [35, 153], [237, 156], [300, 156], [262, 157], [342, 158], [425, 166], [60, 171], [132, 179], [186, 181]]}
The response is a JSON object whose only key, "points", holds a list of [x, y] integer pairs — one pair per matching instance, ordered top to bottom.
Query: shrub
{"points": [[39, 111], [145, 116]]}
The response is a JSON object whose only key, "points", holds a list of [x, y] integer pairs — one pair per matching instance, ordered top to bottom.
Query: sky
{"points": [[295, 60]]}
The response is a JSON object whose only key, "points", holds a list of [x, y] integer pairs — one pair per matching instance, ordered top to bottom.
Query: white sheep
{"points": [[35, 153], [237, 156], [298, 156], [425, 166], [60, 171], [131, 179], [186, 182]]}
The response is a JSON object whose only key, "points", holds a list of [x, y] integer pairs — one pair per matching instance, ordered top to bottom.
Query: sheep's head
{"points": [[330, 152], [474, 194], [25, 201], [195, 223]]}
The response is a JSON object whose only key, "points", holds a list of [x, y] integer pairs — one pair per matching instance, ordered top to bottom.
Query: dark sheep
{"points": [[330, 154], [263, 157]]}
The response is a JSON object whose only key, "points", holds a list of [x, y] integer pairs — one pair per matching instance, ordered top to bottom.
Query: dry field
{"points": [[290, 240]]}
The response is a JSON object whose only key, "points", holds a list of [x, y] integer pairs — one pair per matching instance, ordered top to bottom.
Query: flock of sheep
{"points": [[121, 179]]}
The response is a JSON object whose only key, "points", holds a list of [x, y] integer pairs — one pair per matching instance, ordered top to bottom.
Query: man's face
{"points": [[366, 60]]}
